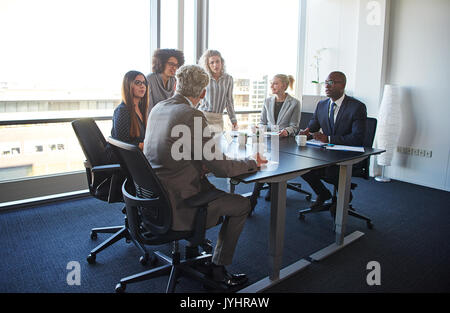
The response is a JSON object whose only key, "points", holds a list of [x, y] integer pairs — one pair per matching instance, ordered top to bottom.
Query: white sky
{"points": [[68, 43], [93, 43]]}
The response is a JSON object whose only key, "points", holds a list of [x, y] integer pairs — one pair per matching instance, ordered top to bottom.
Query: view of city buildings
{"points": [[46, 148]]}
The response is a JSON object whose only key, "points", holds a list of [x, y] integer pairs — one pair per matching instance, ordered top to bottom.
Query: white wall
{"points": [[331, 24], [419, 61]]}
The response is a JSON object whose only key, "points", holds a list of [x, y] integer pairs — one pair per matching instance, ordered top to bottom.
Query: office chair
{"points": [[360, 169], [104, 181], [149, 215]]}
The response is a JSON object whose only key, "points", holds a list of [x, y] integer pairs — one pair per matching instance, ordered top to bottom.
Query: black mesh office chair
{"points": [[360, 169], [104, 181], [150, 219]]}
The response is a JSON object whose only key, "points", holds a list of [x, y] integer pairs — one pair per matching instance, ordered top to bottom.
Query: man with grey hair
{"points": [[185, 177]]}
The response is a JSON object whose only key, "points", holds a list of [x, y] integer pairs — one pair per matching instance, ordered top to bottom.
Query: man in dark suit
{"points": [[343, 122]]}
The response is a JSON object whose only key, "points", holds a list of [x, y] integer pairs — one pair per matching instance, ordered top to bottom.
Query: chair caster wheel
{"points": [[308, 198], [301, 216], [93, 235], [91, 258], [143, 259], [120, 288]]}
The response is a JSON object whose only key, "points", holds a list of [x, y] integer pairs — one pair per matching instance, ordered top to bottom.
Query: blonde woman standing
{"points": [[219, 92]]}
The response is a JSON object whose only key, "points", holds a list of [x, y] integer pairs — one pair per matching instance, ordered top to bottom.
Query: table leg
{"points": [[345, 175], [232, 186], [277, 227]]}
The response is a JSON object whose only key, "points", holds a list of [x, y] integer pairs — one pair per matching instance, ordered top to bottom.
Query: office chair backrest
{"points": [[304, 120], [371, 128], [92, 141], [95, 148], [361, 169], [157, 214]]}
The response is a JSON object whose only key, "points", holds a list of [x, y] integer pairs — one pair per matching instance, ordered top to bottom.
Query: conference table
{"points": [[287, 160]]}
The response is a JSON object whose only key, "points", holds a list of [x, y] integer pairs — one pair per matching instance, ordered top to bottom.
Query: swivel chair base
{"points": [[332, 208], [119, 232], [175, 267]]}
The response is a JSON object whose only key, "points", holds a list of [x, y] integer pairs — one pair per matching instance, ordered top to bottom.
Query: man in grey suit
{"points": [[180, 164]]}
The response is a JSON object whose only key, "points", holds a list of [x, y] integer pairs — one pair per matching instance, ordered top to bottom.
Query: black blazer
{"points": [[350, 124]]}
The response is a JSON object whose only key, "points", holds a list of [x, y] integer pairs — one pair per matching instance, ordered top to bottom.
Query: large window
{"points": [[258, 39], [62, 59]]}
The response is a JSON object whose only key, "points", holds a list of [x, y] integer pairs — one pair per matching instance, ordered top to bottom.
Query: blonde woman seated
{"points": [[219, 92], [281, 112]]}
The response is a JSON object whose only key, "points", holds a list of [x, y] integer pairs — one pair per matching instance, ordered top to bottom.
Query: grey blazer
{"points": [[288, 118], [183, 178]]}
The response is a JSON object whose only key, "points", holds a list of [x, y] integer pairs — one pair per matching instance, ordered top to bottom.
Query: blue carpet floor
{"points": [[409, 241]]}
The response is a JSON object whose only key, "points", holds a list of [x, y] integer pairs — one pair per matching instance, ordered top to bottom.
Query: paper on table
{"points": [[271, 133], [314, 142], [345, 148]]}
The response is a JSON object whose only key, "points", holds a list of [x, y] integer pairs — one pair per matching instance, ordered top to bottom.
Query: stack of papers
{"points": [[314, 142], [345, 148]]}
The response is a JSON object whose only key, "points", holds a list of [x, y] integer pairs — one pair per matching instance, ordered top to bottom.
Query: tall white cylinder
{"points": [[389, 123]]}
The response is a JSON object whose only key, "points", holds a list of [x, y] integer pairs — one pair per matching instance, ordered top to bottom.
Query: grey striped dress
{"points": [[219, 95]]}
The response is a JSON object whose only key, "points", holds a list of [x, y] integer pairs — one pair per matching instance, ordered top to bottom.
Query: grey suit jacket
{"points": [[288, 118], [183, 178]]}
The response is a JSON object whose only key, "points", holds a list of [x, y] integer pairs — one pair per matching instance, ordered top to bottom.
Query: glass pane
{"points": [[169, 24], [189, 35], [257, 41], [63, 59], [41, 149]]}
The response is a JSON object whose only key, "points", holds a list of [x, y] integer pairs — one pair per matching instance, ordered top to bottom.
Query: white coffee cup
{"points": [[301, 140]]}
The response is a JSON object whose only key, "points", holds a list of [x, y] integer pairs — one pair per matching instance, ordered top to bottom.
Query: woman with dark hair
{"points": [[162, 81], [219, 92], [130, 117]]}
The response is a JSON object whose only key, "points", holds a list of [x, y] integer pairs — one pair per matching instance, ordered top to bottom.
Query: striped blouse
{"points": [[219, 95]]}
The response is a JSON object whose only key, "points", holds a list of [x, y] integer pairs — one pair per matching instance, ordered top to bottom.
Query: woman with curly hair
{"points": [[162, 81], [219, 92]]}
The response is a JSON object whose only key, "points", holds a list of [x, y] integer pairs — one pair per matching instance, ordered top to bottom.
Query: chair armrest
{"points": [[106, 168], [203, 198]]}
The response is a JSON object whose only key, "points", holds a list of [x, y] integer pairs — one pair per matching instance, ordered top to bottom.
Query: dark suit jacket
{"points": [[350, 124]]}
